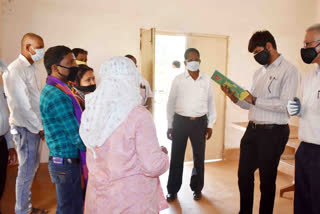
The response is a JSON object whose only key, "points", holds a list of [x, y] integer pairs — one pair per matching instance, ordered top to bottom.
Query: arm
{"points": [[17, 90], [288, 92], [149, 96], [171, 103], [241, 104], [62, 108], [212, 115], [8, 137], [153, 160]]}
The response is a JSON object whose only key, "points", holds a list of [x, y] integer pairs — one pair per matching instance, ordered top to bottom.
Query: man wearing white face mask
{"points": [[22, 88], [191, 113]]}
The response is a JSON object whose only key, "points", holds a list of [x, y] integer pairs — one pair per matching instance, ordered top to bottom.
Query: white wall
{"points": [[106, 28]]}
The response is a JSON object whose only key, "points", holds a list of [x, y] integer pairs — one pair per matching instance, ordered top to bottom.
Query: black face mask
{"points": [[309, 54], [262, 57], [72, 73], [89, 88]]}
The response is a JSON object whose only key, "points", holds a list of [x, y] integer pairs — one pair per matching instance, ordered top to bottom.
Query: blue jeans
{"points": [[28, 149], [67, 179]]}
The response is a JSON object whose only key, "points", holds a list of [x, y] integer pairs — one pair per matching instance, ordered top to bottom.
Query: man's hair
{"points": [[315, 27], [260, 39], [189, 50], [77, 51], [55, 55], [130, 56], [176, 64], [82, 70]]}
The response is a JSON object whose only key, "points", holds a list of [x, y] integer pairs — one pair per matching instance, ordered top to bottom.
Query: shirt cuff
{"points": [[258, 103], [210, 125]]}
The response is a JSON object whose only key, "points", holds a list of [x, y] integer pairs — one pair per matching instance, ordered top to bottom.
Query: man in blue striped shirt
{"points": [[61, 126]]}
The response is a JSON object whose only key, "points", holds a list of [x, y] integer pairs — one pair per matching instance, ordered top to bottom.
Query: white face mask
{"points": [[39, 54], [193, 66]]}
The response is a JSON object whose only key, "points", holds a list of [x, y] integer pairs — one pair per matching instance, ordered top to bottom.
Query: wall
{"points": [[107, 28]]}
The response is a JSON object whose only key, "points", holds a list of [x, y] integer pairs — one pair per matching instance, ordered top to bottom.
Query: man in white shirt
{"points": [[22, 88], [145, 89], [191, 113], [264, 141], [8, 155], [307, 161]]}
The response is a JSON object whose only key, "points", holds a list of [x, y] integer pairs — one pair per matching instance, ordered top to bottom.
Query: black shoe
{"points": [[197, 195], [171, 197]]}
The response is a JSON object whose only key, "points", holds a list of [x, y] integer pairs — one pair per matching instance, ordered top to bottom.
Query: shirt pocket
{"points": [[273, 87], [203, 92], [316, 104]]}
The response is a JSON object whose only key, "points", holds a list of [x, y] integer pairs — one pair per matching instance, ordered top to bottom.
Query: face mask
{"points": [[309, 54], [38, 55], [262, 57], [81, 62], [193, 66], [72, 73], [89, 88]]}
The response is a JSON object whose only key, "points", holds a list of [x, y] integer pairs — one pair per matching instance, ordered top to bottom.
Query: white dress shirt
{"points": [[274, 86], [22, 88], [146, 91], [191, 98], [4, 120], [309, 125]]}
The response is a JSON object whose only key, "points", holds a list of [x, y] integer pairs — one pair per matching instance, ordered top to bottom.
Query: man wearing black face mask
{"points": [[274, 84], [60, 115], [307, 167]]}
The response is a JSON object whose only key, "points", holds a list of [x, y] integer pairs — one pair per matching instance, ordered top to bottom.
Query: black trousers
{"points": [[184, 128], [261, 149], [3, 163], [307, 179]]}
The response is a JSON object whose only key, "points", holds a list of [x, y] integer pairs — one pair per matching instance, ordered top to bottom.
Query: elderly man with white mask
{"points": [[124, 158]]}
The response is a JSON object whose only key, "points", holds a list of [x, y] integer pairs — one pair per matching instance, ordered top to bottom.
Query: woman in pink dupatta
{"points": [[123, 157]]}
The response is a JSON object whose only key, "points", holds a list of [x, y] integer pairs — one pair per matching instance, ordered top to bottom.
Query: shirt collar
{"points": [[24, 60], [276, 63], [187, 75]]}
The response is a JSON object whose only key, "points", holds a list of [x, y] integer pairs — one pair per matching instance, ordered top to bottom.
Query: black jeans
{"points": [[183, 128], [261, 149], [3, 163], [307, 179]]}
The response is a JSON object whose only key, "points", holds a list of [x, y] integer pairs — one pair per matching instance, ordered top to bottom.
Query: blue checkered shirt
{"points": [[59, 123]]}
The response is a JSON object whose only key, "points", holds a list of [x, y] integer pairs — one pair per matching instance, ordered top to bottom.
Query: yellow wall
{"points": [[106, 28]]}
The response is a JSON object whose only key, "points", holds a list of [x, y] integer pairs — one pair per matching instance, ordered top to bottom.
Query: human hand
{"points": [[230, 94], [294, 106], [41, 133], [208, 133], [170, 134], [164, 149], [12, 159]]}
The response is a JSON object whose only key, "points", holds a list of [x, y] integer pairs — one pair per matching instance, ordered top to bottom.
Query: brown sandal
{"points": [[38, 211]]}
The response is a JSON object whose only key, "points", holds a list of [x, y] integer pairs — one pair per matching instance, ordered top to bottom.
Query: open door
{"points": [[213, 54], [147, 55]]}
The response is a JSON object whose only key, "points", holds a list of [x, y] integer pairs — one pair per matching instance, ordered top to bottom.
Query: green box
{"points": [[219, 78]]}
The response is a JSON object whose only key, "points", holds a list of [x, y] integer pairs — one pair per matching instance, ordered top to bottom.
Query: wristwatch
{"points": [[254, 100]]}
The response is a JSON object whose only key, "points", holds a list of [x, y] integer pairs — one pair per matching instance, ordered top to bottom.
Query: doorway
{"points": [[158, 50]]}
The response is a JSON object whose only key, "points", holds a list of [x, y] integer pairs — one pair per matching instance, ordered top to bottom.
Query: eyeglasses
{"points": [[306, 44]]}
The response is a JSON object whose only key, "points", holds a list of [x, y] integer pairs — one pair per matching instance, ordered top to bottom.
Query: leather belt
{"points": [[190, 118], [265, 126], [67, 160]]}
